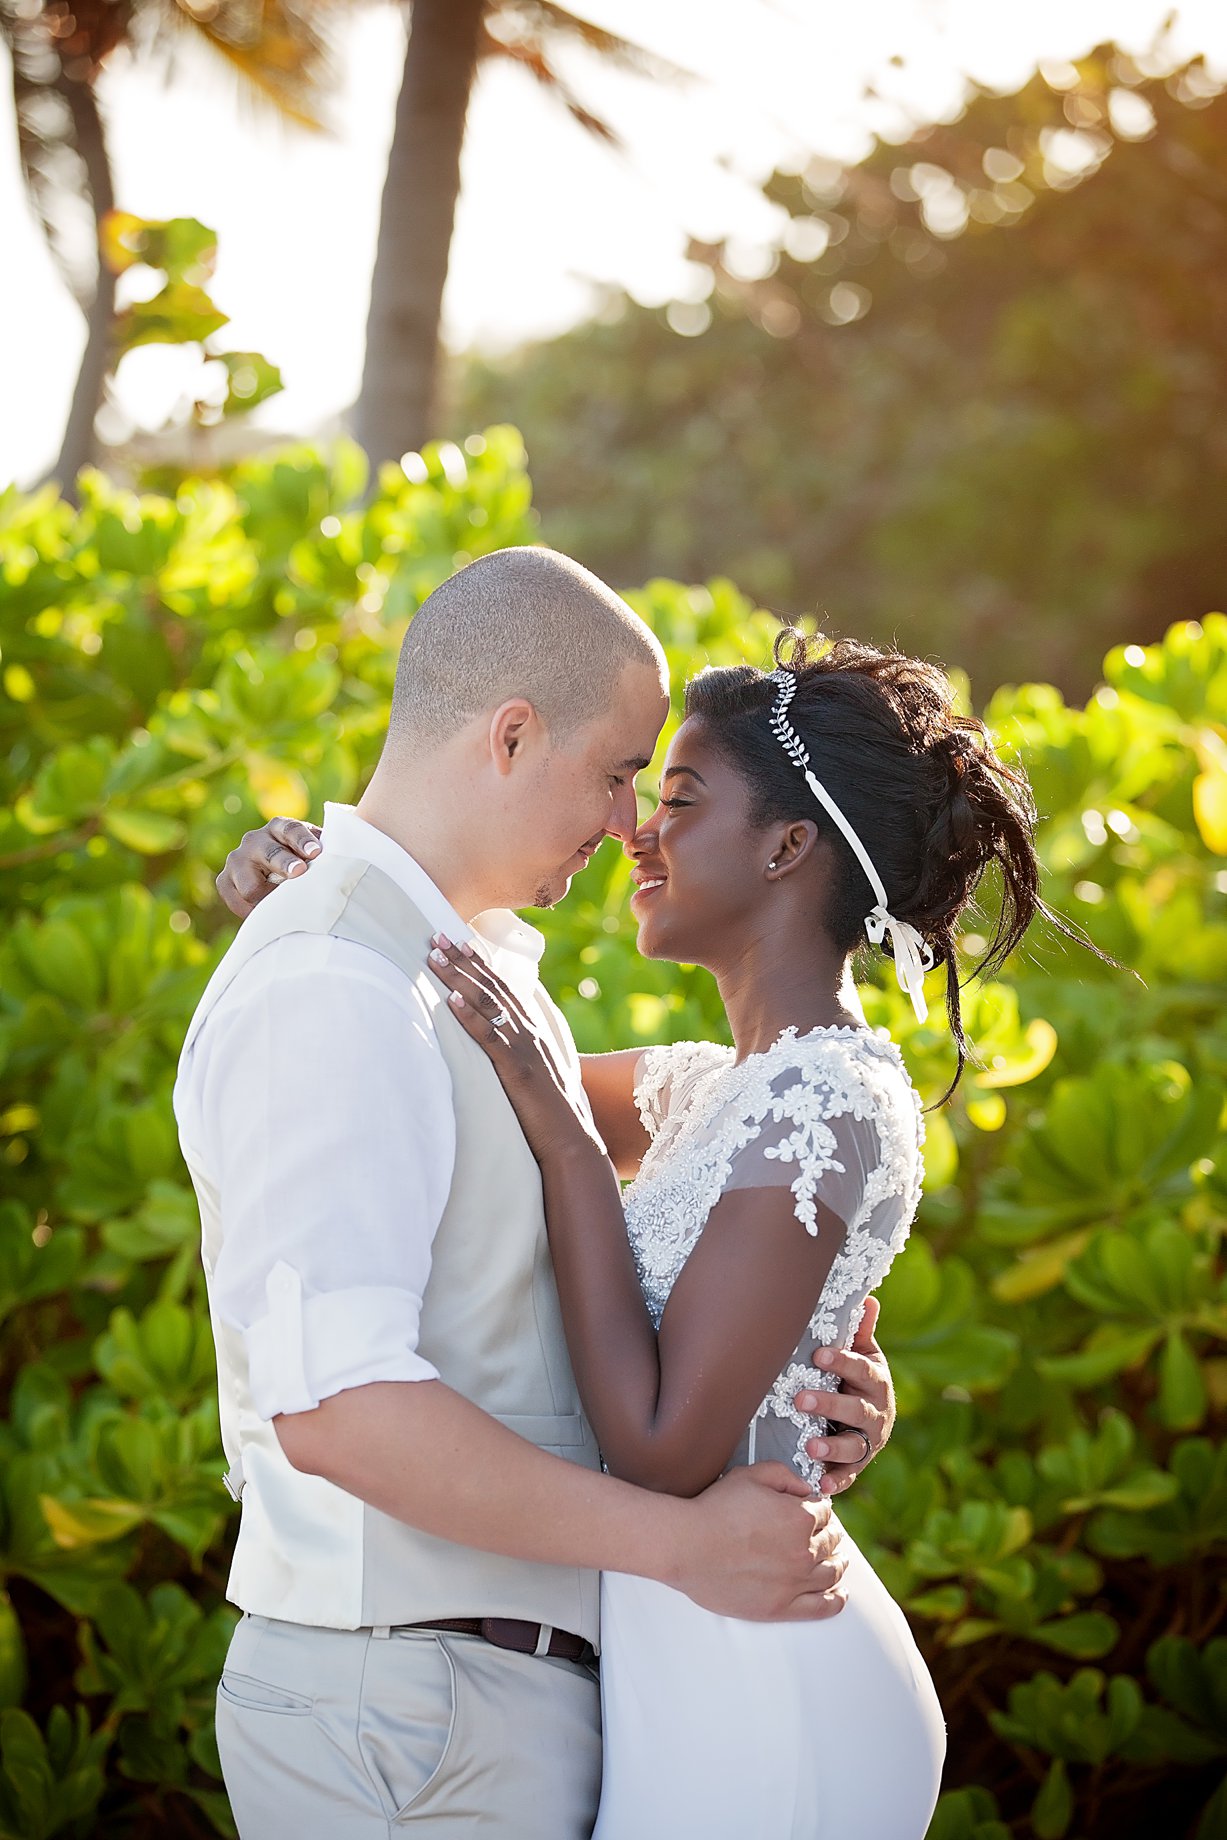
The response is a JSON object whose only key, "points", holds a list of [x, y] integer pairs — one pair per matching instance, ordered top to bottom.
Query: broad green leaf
{"points": [[180, 246], [251, 380], [150, 832], [1182, 1392], [88, 1522], [1085, 1636], [13, 1663], [1053, 1808]]}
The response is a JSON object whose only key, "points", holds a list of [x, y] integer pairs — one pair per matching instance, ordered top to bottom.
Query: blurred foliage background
{"points": [[974, 400], [1052, 1511]]}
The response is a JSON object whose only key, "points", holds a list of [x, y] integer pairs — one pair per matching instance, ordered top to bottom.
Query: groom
{"points": [[423, 1512]]}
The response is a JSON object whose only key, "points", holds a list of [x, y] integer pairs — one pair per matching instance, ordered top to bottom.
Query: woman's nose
{"points": [[643, 842]]}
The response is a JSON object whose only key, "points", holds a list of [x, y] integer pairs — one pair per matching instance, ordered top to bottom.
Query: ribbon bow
{"points": [[913, 955]]}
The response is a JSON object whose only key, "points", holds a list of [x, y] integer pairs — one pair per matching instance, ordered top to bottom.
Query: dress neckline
{"points": [[790, 1035]]}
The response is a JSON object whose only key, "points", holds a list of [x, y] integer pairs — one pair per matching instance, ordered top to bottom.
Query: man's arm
{"points": [[609, 1082], [318, 1103], [421, 1453]]}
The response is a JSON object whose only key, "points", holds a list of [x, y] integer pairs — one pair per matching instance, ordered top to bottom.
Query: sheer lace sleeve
{"points": [[842, 1132], [811, 1141]]}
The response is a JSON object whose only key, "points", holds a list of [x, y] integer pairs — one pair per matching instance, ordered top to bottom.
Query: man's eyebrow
{"points": [[638, 765], [669, 773]]}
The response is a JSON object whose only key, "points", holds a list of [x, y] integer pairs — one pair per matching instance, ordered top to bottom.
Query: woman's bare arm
{"points": [[669, 1409]]}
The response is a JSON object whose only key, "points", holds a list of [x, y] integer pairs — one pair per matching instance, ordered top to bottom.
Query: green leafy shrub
{"points": [[1053, 1509]]}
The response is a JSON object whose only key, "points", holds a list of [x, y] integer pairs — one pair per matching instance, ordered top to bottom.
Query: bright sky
{"points": [[546, 212]]}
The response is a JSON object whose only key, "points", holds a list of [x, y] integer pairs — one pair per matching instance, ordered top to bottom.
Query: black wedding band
{"points": [[854, 1431]]}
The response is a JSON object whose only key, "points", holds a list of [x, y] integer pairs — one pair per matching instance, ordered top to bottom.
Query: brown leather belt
{"points": [[522, 1638]]}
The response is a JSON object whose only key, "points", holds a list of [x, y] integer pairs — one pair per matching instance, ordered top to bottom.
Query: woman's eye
{"points": [[676, 804]]}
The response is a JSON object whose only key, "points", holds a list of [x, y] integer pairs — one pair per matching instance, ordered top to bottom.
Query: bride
{"points": [[836, 801]]}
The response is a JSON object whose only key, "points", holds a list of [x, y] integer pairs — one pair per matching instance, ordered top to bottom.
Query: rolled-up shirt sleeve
{"points": [[325, 1109]]}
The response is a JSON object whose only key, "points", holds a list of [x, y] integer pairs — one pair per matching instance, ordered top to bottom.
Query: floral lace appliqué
{"points": [[666, 1075], [780, 1402]]}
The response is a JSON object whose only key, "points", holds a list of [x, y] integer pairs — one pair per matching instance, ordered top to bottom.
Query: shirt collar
{"points": [[512, 947]]}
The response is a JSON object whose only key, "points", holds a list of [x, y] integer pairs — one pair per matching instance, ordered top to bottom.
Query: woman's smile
{"points": [[648, 882]]}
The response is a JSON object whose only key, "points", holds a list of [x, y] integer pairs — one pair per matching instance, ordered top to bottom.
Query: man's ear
{"points": [[513, 726]]}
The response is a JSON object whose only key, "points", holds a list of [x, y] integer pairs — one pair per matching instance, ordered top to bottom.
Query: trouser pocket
{"points": [[251, 1695], [406, 1718]]}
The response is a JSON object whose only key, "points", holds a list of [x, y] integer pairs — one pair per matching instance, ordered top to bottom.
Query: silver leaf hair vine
{"points": [[913, 955]]}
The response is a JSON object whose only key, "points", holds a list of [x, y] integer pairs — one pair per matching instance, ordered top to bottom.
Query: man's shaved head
{"points": [[518, 623]]}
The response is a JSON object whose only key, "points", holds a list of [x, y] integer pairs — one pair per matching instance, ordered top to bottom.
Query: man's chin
{"points": [[549, 894]]}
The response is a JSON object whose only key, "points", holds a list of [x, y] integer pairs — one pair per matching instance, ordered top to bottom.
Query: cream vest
{"points": [[307, 1551]]}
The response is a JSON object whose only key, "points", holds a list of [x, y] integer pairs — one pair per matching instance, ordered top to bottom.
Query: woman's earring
{"points": [[773, 865]]}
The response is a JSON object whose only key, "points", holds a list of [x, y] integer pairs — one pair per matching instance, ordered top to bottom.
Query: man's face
{"points": [[584, 789]]}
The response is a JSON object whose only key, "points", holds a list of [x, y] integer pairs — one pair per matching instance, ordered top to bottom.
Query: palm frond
{"points": [[542, 23], [282, 51], [532, 59]]}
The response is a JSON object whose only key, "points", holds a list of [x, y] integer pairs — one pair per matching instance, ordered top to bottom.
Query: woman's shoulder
{"points": [[841, 1071]]}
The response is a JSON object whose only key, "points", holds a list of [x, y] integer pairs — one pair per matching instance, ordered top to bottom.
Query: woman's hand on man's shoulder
{"points": [[280, 849]]}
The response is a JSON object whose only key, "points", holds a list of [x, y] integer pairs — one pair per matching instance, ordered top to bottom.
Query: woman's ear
{"points": [[791, 845]]}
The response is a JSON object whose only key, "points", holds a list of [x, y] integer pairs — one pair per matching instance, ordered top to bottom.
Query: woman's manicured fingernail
{"points": [[312, 849], [296, 868], [443, 940], [467, 949], [437, 957], [457, 1001]]}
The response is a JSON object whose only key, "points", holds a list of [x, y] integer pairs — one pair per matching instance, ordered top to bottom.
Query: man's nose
{"points": [[624, 817]]}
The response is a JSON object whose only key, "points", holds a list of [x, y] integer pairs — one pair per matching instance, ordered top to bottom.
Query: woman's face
{"points": [[698, 861]]}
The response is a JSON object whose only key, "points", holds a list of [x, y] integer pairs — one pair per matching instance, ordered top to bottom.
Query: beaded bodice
{"points": [[831, 1114]]}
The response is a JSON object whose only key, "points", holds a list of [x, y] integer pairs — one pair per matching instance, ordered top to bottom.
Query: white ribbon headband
{"points": [[913, 955]]}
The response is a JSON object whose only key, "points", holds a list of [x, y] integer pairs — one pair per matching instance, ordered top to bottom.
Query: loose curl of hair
{"points": [[920, 784]]}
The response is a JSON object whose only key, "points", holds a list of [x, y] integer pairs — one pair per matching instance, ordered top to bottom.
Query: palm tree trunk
{"points": [[397, 402], [77, 448]]}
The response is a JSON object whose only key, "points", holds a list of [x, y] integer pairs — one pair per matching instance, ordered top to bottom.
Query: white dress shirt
{"points": [[317, 1101]]}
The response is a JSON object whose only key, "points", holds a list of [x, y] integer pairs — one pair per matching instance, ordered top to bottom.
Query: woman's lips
{"points": [[647, 888]]}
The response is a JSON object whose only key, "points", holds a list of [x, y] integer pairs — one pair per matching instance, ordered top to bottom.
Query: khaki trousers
{"points": [[336, 1734]]}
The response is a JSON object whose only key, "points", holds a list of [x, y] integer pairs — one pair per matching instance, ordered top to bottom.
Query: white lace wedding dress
{"points": [[724, 1730]]}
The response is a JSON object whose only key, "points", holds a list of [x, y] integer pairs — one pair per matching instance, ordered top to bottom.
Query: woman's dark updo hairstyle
{"points": [[919, 783]]}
